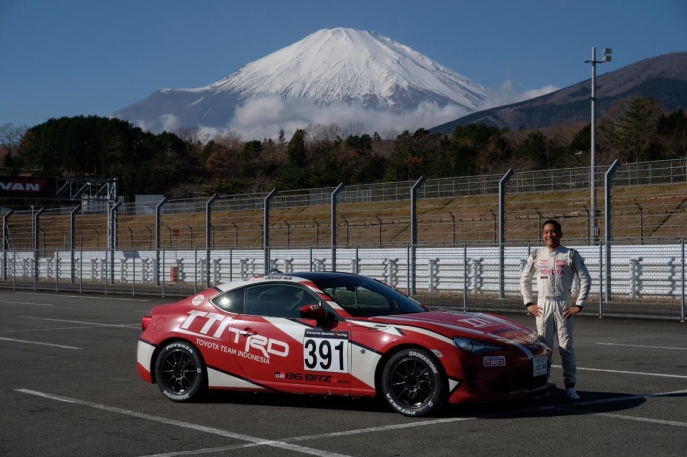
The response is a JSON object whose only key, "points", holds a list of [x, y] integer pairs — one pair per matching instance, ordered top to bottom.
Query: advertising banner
{"points": [[28, 187]]}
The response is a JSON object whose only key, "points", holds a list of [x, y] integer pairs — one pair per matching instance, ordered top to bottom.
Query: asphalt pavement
{"points": [[68, 363]]}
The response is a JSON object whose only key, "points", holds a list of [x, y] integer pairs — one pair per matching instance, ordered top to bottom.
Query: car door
{"points": [[277, 347]]}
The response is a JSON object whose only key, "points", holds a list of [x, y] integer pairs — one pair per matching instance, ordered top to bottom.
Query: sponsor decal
{"points": [[27, 187], [543, 262], [560, 263], [556, 272], [279, 277], [543, 277], [197, 300], [477, 322], [257, 347], [232, 351], [325, 351], [422, 356], [494, 361], [305, 377], [398, 407]]}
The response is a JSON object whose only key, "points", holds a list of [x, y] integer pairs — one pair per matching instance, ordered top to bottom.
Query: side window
{"points": [[277, 300], [231, 302]]}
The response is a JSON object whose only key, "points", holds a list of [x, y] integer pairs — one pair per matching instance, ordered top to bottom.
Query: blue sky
{"points": [[69, 57]]}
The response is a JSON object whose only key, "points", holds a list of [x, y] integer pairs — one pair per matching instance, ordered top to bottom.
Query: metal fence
{"points": [[457, 242], [642, 281]]}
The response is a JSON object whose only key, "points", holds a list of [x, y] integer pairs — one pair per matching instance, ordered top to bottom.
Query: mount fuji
{"points": [[341, 76]]}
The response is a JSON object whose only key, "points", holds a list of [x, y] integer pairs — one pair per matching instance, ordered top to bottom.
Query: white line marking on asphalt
{"points": [[83, 297], [24, 303], [82, 322], [46, 329], [42, 344], [642, 346], [660, 375], [624, 417], [450, 420], [200, 428], [284, 443]]}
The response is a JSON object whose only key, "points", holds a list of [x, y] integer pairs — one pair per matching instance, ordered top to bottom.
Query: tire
{"points": [[180, 372], [412, 382]]}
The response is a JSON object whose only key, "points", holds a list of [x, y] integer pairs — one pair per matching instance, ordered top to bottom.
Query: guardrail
{"points": [[644, 280]]}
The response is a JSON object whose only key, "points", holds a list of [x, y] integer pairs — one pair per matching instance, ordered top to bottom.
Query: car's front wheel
{"points": [[180, 372], [412, 382]]}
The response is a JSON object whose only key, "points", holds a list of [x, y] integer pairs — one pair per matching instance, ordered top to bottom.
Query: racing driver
{"points": [[555, 267]]}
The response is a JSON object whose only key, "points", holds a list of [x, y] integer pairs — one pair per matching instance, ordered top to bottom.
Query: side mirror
{"points": [[313, 311]]}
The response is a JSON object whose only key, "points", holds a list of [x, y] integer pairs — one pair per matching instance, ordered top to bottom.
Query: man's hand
{"points": [[534, 310], [569, 312]]}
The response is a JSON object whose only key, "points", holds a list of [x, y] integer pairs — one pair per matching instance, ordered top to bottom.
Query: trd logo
{"points": [[263, 344], [304, 377]]}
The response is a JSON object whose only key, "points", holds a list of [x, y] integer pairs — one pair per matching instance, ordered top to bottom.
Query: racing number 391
{"points": [[326, 354]]}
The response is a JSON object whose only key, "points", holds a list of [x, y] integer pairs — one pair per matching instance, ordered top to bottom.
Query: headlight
{"points": [[476, 347]]}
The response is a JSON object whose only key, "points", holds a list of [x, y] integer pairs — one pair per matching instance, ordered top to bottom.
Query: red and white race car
{"points": [[336, 334]]}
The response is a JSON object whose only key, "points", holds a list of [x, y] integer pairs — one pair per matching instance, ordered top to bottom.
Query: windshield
{"points": [[361, 296]]}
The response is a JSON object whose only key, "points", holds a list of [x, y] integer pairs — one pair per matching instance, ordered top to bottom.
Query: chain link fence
{"points": [[472, 237]]}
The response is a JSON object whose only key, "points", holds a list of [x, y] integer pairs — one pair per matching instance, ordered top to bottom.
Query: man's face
{"points": [[551, 236]]}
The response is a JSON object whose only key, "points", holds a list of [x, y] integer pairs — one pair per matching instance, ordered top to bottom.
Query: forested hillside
{"points": [[183, 164]]}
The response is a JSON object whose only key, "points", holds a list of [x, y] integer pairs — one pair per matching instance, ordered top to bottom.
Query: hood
{"points": [[469, 325]]}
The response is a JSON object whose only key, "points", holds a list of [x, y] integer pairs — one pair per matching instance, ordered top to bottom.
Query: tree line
{"points": [[180, 164]]}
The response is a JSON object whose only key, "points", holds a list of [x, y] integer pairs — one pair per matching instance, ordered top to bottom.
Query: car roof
{"points": [[307, 275]]}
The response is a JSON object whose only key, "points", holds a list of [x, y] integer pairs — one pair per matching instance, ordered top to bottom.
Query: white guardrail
{"points": [[637, 271]]}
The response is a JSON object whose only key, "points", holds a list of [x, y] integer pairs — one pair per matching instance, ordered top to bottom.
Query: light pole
{"points": [[592, 184]]}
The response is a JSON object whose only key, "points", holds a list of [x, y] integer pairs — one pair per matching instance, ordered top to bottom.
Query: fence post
{"points": [[338, 189], [112, 226], [607, 229], [72, 231], [502, 231], [413, 232], [266, 233], [208, 242], [5, 243], [36, 246], [408, 270], [156, 272], [133, 274], [465, 276], [601, 280], [682, 294]]}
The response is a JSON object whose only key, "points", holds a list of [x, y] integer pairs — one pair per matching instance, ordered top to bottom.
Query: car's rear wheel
{"points": [[180, 372], [412, 382]]}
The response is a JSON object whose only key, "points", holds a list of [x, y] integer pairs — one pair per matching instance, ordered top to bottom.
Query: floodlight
{"points": [[607, 51], [606, 59]]}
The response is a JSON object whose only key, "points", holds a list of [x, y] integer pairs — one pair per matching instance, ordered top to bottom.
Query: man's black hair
{"points": [[555, 223]]}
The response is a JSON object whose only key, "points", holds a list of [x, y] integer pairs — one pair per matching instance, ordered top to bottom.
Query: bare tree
{"points": [[11, 135]]}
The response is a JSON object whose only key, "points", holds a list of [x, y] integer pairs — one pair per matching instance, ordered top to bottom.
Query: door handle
{"points": [[248, 332]]}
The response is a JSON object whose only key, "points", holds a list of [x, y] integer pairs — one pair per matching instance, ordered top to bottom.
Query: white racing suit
{"points": [[556, 270]]}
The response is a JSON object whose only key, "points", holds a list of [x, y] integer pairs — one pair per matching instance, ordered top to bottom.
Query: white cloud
{"points": [[507, 94], [264, 117], [169, 122]]}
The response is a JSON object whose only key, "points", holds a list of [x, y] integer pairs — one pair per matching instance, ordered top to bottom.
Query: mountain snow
{"points": [[339, 76]]}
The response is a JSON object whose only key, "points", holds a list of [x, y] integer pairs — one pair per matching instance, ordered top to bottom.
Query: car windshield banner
{"points": [[28, 187]]}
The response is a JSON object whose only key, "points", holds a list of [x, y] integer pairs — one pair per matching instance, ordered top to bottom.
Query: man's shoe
{"points": [[551, 384], [572, 393]]}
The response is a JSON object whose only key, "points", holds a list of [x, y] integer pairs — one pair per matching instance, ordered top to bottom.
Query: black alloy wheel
{"points": [[180, 372], [412, 382]]}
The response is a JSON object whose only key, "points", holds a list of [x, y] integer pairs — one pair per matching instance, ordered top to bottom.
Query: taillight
{"points": [[146, 320]]}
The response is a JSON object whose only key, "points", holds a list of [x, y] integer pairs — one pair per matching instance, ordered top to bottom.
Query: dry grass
{"points": [[656, 212]]}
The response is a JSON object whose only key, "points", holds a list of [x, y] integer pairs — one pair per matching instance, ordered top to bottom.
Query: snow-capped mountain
{"points": [[329, 76]]}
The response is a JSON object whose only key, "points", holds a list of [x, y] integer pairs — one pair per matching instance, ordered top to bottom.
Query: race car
{"points": [[336, 334]]}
